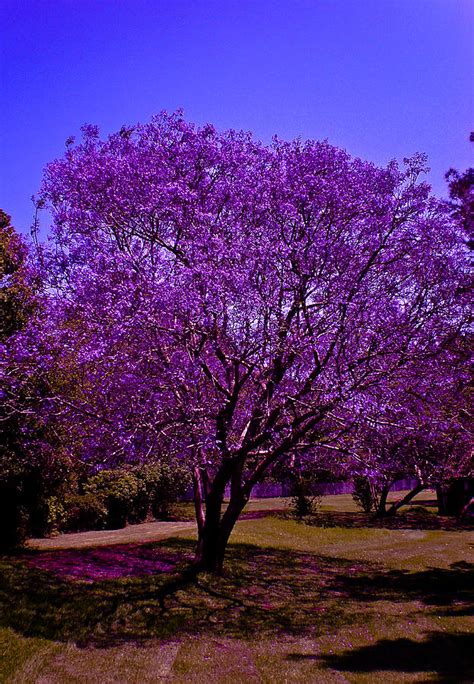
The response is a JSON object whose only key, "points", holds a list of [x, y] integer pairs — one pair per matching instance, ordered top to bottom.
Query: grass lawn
{"points": [[335, 601]]}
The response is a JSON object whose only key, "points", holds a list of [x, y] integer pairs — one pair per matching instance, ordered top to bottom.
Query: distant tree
{"points": [[461, 193], [17, 286], [421, 430], [31, 465]]}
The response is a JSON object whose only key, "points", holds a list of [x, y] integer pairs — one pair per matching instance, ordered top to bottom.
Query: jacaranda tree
{"points": [[223, 301], [420, 429]]}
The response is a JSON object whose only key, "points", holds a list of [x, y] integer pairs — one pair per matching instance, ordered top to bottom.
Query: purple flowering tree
{"points": [[227, 302], [420, 428]]}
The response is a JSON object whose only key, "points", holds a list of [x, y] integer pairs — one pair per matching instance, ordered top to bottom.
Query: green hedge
{"points": [[164, 483], [30, 492], [120, 492], [130, 495], [31, 504], [84, 512]]}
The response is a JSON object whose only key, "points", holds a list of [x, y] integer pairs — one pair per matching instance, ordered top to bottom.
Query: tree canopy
{"points": [[232, 304]]}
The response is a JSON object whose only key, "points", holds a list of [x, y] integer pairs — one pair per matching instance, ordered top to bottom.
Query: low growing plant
{"points": [[119, 490], [366, 494], [84, 512]]}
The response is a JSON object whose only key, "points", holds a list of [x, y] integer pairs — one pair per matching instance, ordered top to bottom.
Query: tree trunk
{"points": [[199, 493], [441, 497], [406, 499], [468, 507], [381, 508], [216, 530], [212, 543], [209, 551], [209, 554]]}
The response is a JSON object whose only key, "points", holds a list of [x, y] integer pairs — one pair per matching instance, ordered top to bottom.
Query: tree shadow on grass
{"points": [[406, 520], [110, 562], [145, 591], [450, 591], [84, 596], [448, 655]]}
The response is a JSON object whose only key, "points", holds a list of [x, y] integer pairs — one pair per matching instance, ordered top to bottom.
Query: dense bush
{"points": [[164, 483], [119, 490], [30, 492], [366, 494], [40, 501], [303, 502], [140, 504], [420, 511], [84, 512], [13, 514], [56, 515]]}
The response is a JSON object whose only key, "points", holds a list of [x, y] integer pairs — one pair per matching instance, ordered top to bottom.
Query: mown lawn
{"points": [[298, 603]]}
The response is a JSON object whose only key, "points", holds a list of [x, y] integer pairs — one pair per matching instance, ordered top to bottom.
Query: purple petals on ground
{"points": [[93, 565]]}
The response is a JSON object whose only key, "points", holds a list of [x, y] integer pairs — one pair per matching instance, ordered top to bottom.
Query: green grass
{"points": [[298, 603]]}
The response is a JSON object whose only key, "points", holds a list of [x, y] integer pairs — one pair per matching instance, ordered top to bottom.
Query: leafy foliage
{"points": [[461, 193], [17, 281], [164, 483], [119, 490], [366, 494], [31, 497], [115, 497], [303, 503], [83, 512]]}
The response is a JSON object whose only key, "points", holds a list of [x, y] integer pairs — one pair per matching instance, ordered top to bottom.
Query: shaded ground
{"points": [[405, 520], [105, 563], [122, 597], [298, 603], [438, 652]]}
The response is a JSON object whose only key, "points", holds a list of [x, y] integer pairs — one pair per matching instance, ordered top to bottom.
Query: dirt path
{"points": [[145, 532]]}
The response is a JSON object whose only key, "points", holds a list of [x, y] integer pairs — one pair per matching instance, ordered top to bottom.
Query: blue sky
{"points": [[382, 78]]}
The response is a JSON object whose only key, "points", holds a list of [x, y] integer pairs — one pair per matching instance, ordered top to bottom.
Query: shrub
{"points": [[164, 484], [119, 490], [30, 494], [366, 494], [112, 498], [302, 502], [140, 504], [419, 511], [84, 512], [13, 515], [56, 515]]}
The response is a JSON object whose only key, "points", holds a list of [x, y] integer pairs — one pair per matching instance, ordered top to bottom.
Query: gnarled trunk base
{"points": [[382, 504], [215, 527], [214, 535], [209, 556]]}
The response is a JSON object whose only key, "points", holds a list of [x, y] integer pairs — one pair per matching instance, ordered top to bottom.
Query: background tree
{"points": [[461, 193], [17, 284], [421, 430], [30, 470]]}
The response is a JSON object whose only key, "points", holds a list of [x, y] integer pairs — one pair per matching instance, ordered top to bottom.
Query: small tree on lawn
{"points": [[420, 430]]}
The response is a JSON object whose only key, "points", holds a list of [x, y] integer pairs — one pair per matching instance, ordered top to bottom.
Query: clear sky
{"points": [[382, 78]]}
